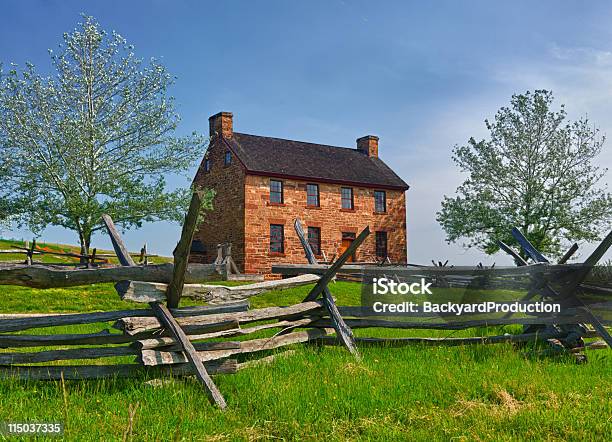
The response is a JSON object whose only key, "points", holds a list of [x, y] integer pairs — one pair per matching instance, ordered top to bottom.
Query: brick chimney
{"points": [[221, 124], [368, 145]]}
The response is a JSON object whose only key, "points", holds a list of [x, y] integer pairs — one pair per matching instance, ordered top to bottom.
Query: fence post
{"points": [[120, 249], [181, 251], [162, 313], [345, 334]]}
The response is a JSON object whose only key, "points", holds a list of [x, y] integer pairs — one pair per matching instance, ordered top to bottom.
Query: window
{"points": [[228, 158], [207, 165], [276, 191], [312, 195], [347, 198], [380, 201], [348, 236], [277, 238], [314, 239], [381, 244], [197, 247]]}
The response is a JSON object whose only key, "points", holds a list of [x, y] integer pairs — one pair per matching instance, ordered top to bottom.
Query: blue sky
{"points": [[421, 75]]}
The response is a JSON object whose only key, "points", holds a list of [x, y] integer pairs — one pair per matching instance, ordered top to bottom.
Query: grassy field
{"points": [[10, 244], [413, 393]]}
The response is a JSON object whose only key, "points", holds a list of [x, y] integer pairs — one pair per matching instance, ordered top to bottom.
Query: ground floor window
{"points": [[277, 238], [314, 239], [381, 244]]}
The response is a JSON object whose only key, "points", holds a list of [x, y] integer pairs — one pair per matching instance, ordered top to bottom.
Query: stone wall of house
{"points": [[329, 217], [226, 222]]}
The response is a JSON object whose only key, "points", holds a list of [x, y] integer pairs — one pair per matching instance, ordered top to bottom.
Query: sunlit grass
{"points": [[9, 244], [413, 393]]}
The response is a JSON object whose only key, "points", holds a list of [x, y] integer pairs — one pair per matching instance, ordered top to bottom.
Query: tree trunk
{"points": [[85, 241]]}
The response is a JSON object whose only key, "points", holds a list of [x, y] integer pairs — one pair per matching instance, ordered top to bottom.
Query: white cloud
{"points": [[582, 55]]}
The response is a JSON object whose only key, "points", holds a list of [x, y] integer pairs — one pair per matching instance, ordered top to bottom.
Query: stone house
{"points": [[262, 184]]}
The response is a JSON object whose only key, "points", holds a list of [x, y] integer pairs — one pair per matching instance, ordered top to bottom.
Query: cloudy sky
{"points": [[421, 75]]}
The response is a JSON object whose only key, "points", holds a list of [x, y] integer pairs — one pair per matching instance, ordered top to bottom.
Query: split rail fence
{"points": [[165, 339]]}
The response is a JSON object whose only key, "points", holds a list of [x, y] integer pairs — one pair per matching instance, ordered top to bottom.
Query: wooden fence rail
{"points": [[50, 276], [164, 340]]}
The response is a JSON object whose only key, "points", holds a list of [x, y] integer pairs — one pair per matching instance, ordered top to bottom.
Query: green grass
{"points": [[6, 244], [412, 393]]}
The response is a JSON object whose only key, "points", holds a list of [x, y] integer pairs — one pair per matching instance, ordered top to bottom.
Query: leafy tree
{"points": [[95, 137], [536, 172], [4, 214]]}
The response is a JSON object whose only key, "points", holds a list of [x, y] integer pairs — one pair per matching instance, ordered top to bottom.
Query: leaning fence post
{"points": [[528, 247], [120, 249], [181, 251], [570, 252], [227, 257], [219, 259], [518, 259], [229, 261], [589, 263], [331, 272], [567, 291], [173, 295], [162, 313], [167, 320], [345, 334]]}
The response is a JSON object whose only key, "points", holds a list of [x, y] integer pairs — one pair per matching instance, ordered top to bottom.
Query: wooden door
{"points": [[347, 239]]}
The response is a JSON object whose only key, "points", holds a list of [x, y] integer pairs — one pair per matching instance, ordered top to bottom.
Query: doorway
{"points": [[347, 240]]}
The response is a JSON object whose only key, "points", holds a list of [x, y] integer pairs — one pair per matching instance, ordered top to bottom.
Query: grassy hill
{"points": [[8, 244]]}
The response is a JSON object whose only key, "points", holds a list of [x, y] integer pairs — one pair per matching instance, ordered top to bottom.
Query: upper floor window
{"points": [[228, 158], [207, 165], [276, 191], [312, 195], [347, 197], [380, 201], [277, 238], [314, 239], [381, 244]]}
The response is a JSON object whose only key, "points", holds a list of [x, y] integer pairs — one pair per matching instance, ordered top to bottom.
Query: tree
{"points": [[96, 137], [536, 172], [4, 214]]}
